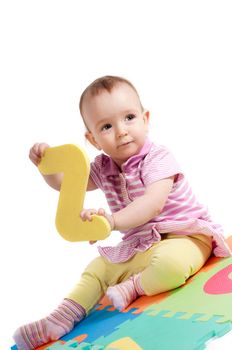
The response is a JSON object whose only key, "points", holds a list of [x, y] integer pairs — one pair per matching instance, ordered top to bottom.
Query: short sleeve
{"points": [[159, 164], [96, 170]]}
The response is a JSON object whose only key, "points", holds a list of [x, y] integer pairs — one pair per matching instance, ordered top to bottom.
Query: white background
{"points": [[177, 53]]}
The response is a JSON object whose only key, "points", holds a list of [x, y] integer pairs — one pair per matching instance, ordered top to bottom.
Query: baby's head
{"points": [[104, 84], [114, 117]]}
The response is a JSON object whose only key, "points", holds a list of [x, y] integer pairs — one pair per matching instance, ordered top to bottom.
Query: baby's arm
{"points": [[36, 153], [144, 208], [138, 212]]}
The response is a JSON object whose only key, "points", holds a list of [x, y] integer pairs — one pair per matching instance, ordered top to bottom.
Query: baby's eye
{"points": [[130, 116], [106, 127]]}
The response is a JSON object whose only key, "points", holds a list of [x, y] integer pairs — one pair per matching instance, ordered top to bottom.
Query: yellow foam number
{"points": [[73, 162], [123, 344]]}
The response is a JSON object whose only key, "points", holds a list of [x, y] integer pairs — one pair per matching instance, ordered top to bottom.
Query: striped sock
{"points": [[122, 294], [58, 323]]}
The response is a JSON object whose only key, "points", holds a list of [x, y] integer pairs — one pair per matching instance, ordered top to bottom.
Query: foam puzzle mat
{"points": [[182, 319]]}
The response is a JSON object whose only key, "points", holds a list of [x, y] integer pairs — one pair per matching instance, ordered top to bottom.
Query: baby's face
{"points": [[116, 122]]}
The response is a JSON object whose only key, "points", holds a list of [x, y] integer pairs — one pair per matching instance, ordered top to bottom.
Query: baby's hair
{"points": [[105, 83]]}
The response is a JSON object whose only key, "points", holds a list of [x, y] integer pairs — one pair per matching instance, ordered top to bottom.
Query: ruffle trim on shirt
{"points": [[196, 226], [125, 250]]}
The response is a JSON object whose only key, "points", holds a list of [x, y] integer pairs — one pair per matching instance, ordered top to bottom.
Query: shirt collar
{"points": [[111, 168]]}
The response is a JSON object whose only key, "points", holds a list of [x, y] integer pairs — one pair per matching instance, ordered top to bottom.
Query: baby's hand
{"points": [[37, 151], [86, 214], [108, 217]]}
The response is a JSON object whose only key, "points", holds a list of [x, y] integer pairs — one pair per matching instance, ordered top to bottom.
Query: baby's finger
{"points": [[34, 148], [42, 148], [34, 156], [101, 211], [87, 214], [83, 215], [92, 242]]}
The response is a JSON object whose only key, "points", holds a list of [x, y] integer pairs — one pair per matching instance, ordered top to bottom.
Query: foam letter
{"points": [[73, 162]]}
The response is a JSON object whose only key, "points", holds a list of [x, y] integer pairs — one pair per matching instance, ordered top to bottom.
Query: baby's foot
{"points": [[122, 294], [60, 322], [35, 334]]}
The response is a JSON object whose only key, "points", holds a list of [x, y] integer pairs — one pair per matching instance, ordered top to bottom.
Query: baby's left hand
{"points": [[86, 214]]}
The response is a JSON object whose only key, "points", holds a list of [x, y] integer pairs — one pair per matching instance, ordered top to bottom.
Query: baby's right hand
{"points": [[37, 151]]}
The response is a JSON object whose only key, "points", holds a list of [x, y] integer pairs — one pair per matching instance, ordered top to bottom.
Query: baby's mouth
{"points": [[125, 144]]}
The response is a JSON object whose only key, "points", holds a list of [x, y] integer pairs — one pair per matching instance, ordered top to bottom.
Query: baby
{"points": [[167, 234]]}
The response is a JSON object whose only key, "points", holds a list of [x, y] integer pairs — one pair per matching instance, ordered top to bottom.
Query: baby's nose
{"points": [[121, 131]]}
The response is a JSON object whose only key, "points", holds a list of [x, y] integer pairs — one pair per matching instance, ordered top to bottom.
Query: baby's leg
{"points": [[172, 262], [124, 293], [61, 321]]}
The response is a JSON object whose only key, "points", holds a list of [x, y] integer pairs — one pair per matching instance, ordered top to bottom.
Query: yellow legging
{"points": [[165, 266]]}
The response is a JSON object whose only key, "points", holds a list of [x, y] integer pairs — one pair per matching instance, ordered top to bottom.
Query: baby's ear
{"points": [[146, 116], [89, 136]]}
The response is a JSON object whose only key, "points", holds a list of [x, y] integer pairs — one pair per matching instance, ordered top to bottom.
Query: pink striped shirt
{"points": [[181, 215]]}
